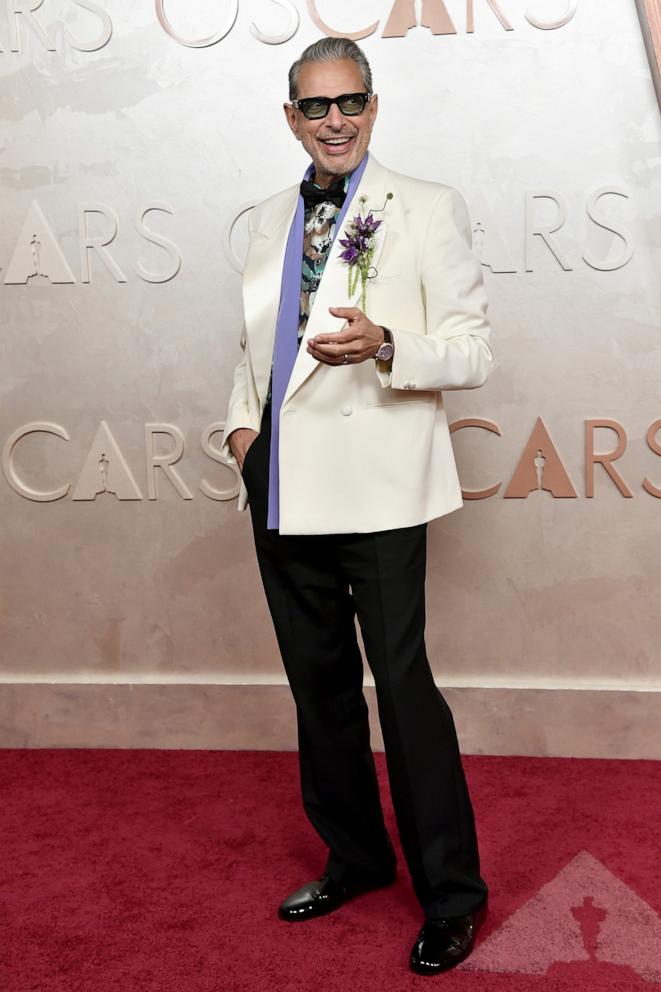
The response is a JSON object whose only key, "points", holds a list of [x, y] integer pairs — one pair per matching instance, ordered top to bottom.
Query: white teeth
{"points": [[335, 141]]}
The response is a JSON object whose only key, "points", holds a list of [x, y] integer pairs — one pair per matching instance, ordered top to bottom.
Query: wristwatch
{"points": [[387, 349]]}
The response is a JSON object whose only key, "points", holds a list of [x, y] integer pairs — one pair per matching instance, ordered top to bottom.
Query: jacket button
{"points": [[347, 411]]}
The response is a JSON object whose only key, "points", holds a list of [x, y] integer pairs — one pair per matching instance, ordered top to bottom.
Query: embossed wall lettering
{"points": [[229, 9], [433, 14], [400, 17], [22, 22], [558, 22], [290, 27], [326, 29], [535, 228], [148, 233], [96, 243], [490, 247], [37, 254], [38, 258], [487, 425], [654, 445], [605, 459], [165, 461], [9, 468], [541, 468], [105, 470], [106, 473]]}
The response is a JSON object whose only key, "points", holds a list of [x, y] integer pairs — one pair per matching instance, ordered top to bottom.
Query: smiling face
{"points": [[336, 143]]}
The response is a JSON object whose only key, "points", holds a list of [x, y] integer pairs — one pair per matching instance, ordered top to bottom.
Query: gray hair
{"points": [[328, 50]]}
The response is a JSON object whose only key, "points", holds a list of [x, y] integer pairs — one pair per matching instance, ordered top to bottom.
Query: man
{"points": [[337, 425]]}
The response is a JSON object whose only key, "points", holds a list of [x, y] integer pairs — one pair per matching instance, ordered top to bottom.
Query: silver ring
{"points": [[346, 360]]}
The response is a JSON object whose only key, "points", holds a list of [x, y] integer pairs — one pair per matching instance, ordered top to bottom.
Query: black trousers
{"points": [[315, 585]]}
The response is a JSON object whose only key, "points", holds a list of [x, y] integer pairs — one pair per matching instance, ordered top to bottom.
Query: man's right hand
{"points": [[239, 441]]}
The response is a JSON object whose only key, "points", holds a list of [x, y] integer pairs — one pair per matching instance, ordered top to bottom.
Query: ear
{"points": [[374, 107], [291, 117]]}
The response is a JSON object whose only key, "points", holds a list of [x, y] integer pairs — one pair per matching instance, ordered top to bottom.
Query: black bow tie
{"points": [[312, 194]]}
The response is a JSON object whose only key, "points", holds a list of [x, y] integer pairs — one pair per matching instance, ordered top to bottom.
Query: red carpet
{"points": [[142, 871]]}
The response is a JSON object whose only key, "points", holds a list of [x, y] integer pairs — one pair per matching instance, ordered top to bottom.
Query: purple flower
{"points": [[366, 225], [359, 239], [359, 247], [350, 254]]}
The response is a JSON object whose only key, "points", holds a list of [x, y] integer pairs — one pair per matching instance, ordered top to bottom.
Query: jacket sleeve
{"points": [[455, 352], [238, 414]]}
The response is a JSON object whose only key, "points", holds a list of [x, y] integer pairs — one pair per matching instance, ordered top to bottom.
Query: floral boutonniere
{"points": [[359, 246]]}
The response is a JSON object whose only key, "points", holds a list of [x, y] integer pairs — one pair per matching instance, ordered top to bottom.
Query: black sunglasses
{"points": [[317, 107]]}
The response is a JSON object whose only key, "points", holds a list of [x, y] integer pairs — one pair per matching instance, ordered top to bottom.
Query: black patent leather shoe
{"points": [[324, 895], [443, 943]]}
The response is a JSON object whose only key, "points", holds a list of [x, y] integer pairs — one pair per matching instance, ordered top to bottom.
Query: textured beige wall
{"points": [[543, 615]]}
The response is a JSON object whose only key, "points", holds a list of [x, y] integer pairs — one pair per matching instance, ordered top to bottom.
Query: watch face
{"points": [[385, 352]]}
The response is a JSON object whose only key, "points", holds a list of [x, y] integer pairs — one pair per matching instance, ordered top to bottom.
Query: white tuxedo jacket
{"points": [[363, 448]]}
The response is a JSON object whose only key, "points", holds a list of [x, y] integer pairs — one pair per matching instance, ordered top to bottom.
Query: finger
{"points": [[350, 313], [339, 337], [330, 350], [328, 357], [328, 360]]}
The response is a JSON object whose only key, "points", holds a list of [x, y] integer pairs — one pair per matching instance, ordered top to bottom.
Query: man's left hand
{"points": [[359, 339]]}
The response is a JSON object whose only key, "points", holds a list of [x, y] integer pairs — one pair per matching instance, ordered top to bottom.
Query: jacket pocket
{"points": [[247, 454]]}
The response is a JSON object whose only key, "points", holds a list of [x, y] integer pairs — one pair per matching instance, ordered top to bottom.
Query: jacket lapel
{"points": [[263, 276], [333, 290]]}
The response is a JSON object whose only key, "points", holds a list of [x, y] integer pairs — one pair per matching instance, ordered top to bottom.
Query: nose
{"points": [[334, 117]]}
